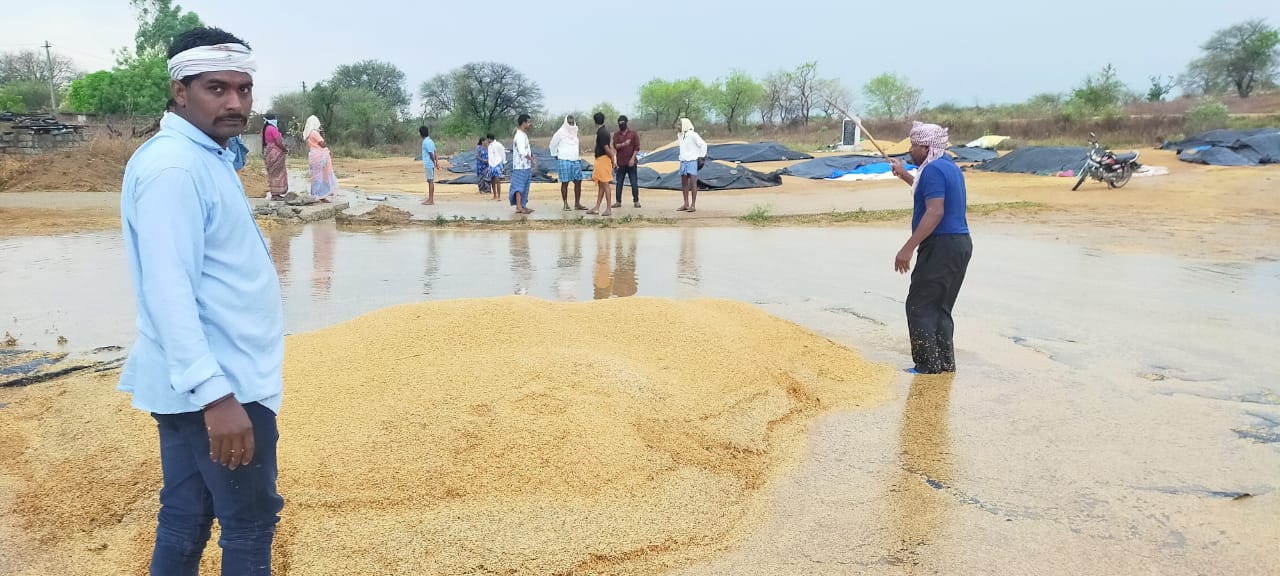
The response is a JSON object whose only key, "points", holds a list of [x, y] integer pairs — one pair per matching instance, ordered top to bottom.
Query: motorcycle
{"points": [[1106, 166]]}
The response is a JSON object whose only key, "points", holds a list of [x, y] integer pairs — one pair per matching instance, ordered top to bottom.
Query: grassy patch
{"points": [[759, 215], [861, 216]]}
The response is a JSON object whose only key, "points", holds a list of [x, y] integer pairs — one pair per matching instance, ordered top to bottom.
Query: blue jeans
{"points": [[197, 489]]}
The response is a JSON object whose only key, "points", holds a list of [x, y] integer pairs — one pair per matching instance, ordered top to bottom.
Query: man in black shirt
{"points": [[606, 158]]}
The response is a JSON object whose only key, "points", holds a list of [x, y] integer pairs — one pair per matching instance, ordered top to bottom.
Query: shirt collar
{"points": [[180, 125]]}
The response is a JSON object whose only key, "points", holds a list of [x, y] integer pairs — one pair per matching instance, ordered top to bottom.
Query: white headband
{"points": [[216, 58]]}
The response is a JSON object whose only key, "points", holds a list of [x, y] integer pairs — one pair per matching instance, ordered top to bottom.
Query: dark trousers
{"points": [[635, 187], [941, 262], [197, 489]]}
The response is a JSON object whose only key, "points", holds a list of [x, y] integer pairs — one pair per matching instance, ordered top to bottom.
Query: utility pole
{"points": [[304, 88], [53, 94]]}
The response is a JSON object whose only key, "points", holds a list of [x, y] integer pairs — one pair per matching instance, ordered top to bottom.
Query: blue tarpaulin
{"points": [[877, 168]]}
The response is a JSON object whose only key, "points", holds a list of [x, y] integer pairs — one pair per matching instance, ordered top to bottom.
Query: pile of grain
{"points": [[510, 436]]}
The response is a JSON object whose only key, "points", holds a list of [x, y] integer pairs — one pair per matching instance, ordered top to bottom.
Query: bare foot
{"points": [[427, 203], [579, 207], [567, 208], [682, 209], [692, 209], [592, 212], [607, 214]]}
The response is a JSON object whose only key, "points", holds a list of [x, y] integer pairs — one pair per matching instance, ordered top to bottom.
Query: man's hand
{"points": [[901, 171], [902, 263], [230, 433]]}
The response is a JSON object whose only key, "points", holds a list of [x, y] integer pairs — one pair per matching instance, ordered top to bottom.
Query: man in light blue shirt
{"points": [[429, 163], [207, 361]]}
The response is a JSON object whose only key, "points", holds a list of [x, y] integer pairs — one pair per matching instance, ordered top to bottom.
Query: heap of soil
{"points": [[98, 166], [381, 215], [504, 436]]}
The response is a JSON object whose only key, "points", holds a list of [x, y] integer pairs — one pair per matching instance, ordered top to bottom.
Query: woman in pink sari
{"points": [[275, 153], [324, 182]]}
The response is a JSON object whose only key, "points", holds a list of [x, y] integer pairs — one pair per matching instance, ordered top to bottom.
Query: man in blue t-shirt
{"points": [[429, 163], [941, 233]]}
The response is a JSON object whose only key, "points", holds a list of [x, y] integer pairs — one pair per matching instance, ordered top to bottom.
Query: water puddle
{"points": [[1086, 377]]}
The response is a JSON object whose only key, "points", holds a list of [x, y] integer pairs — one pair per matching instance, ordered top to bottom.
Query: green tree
{"points": [[159, 22], [1243, 56], [381, 78], [138, 86], [1160, 88], [33, 94], [1100, 95], [891, 96], [481, 97], [323, 98], [736, 98], [11, 102], [666, 102], [291, 109], [610, 113], [1209, 114], [363, 117]]}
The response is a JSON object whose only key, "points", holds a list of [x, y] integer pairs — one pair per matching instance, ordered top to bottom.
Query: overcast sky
{"points": [[584, 53]]}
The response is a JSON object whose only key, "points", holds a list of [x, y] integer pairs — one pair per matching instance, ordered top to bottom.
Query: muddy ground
{"points": [[1194, 210]]}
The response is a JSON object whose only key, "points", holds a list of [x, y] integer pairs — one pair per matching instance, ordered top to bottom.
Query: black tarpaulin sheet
{"points": [[1223, 138], [1265, 146], [745, 153], [967, 154], [1215, 156], [1043, 160], [548, 169], [713, 176]]}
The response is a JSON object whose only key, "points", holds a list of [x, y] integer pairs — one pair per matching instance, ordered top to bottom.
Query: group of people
{"points": [[275, 152], [615, 157], [208, 360]]}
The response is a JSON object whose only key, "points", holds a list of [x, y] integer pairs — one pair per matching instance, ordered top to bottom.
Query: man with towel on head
{"points": [[565, 147], [941, 233], [208, 357]]}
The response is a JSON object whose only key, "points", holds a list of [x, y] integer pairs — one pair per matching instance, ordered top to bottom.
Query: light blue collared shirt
{"points": [[210, 321]]}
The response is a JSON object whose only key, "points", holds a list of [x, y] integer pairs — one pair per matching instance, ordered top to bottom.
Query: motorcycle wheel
{"points": [[1084, 173], [1123, 178]]}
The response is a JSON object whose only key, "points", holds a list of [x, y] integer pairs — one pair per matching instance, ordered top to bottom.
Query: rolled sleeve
{"points": [[169, 224]]}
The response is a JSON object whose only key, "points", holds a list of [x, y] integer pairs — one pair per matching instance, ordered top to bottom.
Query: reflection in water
{"points": [[322, 238], [279, 240], [567, 264], [521, 265], [687, 267], [431, 271], [618, 279], [919, 499]]}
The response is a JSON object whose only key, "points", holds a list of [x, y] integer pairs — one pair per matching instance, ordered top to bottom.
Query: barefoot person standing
{"points": [[564, 147], [693, 149], [429, 163], [602, 173], [940, 232], [210, 347]]}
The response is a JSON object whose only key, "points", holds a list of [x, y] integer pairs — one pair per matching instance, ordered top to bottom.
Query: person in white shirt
{"points": [[566, 149], [693, 151], [497, 157], [522, 164]]}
